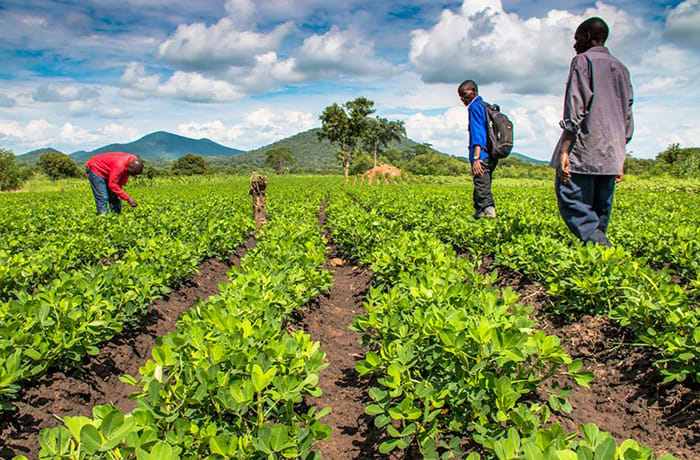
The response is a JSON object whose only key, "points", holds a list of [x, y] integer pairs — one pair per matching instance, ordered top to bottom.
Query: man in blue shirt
{"points": [[481, 162]]}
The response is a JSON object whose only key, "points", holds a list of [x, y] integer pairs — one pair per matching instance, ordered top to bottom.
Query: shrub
{"points": [[279, 159], [190, 165], [58, 166], [11, 174]]}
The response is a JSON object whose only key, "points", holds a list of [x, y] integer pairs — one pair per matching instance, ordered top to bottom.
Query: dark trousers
{"points": [[482, 186], [103, 195], [585, 202]]}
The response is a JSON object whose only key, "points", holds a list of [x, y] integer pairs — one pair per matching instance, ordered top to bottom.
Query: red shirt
{"points": [[112, 166]]}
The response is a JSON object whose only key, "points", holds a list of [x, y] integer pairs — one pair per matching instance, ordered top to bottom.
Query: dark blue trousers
{"points": [[103, 195], [585, 202]]}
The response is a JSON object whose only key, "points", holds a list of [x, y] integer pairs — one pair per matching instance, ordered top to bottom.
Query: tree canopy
{"points": [[346, 126], [279, 159], [190, 165], [58, 166]]}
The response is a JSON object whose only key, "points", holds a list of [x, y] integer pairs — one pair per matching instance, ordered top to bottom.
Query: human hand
{"points": [[563, 168], [477, 169], [618, 178], [132, 202]]}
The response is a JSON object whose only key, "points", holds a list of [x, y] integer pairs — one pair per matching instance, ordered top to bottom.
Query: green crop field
{"points": [[455, 362]]}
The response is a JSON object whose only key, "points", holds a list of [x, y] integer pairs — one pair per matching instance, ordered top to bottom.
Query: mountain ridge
{"points": [[162, 145], [311, 154]]}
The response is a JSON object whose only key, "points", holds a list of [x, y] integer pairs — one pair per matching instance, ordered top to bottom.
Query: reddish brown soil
{"points": [[97, 381], [344, 391], [627, 397], [353, 434]]}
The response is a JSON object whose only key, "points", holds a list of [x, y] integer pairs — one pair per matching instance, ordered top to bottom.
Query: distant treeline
{"points": [[418, 159]]}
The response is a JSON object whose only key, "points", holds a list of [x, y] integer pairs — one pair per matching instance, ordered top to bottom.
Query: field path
{"points": [[97, 382], [353, 434]]}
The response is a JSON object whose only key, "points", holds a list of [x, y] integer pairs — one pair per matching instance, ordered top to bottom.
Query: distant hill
{"points": [[164, 146], [310, 153], [32, 158], [526, 159]]}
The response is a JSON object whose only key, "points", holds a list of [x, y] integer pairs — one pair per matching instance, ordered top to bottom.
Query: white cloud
{"points": [[242, 12], [683, 24], [484, 43], [219, 46], [340, 52], [189, 86], [65, 93], [98, 109], [257, 128], [36, 132], [114, 132], [446, 132], [76, 134]]}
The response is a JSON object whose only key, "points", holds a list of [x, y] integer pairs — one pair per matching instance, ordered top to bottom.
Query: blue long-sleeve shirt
{"points": [[477, 128]]}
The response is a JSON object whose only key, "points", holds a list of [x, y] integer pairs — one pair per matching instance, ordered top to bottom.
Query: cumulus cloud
{"points": [[683, 24], [483, 42], [205, 48], [340, 52], [190, 86], [65, 93], [98, 109], [258, 128], [446, 131], [37, 132], [76, 134], [68, 136]]}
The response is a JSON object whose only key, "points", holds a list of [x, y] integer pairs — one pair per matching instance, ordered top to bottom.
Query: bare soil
{"points": [[328, 320], [96, 382], [626, 397]]}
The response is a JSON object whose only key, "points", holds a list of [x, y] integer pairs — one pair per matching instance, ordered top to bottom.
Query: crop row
{"points": [[45, 235], [587, 279], [59, 322], [460, 368], [231, 380]]}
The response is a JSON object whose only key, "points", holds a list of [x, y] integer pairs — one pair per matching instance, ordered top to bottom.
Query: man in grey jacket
{"points": [[597, 124]]}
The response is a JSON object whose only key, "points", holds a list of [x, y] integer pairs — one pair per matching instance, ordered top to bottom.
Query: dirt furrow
{"points": [[328, 321], [96, 382], [627, 396]]}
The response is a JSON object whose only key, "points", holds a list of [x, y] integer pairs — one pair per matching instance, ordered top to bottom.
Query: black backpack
{"points": [[500, 132]]}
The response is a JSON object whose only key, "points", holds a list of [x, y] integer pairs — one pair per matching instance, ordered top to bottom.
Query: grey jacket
{"points": [[598, 111]]}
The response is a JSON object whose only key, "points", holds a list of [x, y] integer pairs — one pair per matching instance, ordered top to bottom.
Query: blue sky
{"points": [[81, 74]]}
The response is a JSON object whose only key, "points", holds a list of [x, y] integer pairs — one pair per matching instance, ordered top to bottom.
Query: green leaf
{"points": [[279, 438], [90, 439], [606, 450]]}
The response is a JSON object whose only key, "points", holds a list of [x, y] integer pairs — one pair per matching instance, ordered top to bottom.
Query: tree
{"points": [[345, 125], [378, 132], [279, 158], [361, 163], [190, 165], [58, 166], [11, 174]]}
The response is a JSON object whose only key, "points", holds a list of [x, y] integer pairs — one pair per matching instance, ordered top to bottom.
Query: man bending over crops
{"points": [[597, 124], [481, 162], [108, 173]]}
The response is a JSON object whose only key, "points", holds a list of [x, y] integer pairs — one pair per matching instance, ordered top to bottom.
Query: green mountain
{"points": [[164, 146], [310, 153], [314, 155], [32, 158], [526, 159]]}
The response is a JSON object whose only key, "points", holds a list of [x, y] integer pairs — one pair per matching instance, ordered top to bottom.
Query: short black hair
{"points": [[596, 28], [466, 82], [138, 164]]}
